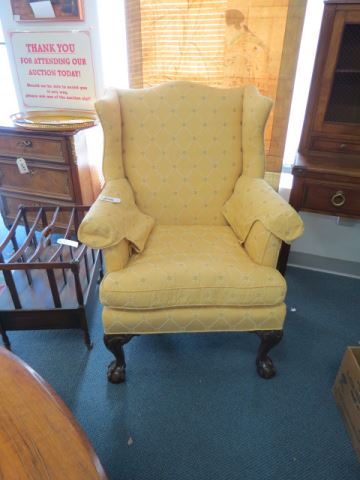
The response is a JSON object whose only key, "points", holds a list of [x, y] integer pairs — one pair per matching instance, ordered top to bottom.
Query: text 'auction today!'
{"points": [[53, 49]]}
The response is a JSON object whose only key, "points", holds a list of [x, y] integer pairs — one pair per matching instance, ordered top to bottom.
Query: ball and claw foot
{"points": [[264, 364], [265, 368], [116, 369], [116, 373]]}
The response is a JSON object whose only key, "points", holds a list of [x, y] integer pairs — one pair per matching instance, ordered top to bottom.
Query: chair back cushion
{"points": [[182, 150]]}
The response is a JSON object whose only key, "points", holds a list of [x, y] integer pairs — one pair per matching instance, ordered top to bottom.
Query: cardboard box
{"points": [[346, 390]]}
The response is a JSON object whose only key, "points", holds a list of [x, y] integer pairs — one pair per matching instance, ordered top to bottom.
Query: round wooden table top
{"points": [[39, 437]]}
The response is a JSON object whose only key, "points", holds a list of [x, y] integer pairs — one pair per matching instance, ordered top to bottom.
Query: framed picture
{"points": [[47, 10]]}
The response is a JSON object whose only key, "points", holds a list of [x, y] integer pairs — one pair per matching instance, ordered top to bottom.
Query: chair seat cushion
{"points": [[192, 266]]}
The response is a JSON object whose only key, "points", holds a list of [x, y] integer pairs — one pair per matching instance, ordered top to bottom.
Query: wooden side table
{"points": [[39, 437]]}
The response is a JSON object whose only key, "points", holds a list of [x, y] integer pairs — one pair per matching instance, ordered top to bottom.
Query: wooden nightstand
{"points": [[59, 170]]}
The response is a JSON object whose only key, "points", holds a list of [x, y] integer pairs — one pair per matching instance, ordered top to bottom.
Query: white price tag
{"points": [[22, 166], [106, 198], [70, 243]]}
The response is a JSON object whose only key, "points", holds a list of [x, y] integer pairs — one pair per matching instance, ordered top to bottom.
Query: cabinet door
{"points": [[338, 109]]}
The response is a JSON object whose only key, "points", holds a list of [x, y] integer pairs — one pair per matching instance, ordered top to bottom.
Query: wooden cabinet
{"points": [[327, 168], [59, 171]]}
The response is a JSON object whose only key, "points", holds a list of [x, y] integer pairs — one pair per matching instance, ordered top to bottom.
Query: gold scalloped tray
{"points": [[54, 120]]}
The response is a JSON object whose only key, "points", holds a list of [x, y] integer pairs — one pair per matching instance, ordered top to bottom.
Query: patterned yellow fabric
{"points": [[108, 110], [256, 110], [182, 150], [174, 154], [252, 200], [106, 224], [262, 246], [117, 256], [195, 266], [192, 319]]}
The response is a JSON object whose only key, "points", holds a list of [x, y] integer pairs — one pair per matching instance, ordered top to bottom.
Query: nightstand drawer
{"points": [[28, 146], [336, 146], [40, 181], [332, 198]]}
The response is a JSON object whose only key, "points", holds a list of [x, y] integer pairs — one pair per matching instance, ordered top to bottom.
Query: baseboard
{"points": [[334, 266]]}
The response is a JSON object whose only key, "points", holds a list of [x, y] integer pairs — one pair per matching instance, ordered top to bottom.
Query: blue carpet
{"points": [[194, 406]]}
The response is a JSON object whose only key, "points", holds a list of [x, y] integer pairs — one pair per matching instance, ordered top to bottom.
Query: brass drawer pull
{"points": [[24, 143], [343, 146], [338, 199]]}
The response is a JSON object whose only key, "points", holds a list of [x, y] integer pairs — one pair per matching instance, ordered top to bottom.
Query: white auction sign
{"points": [[55, 69]]}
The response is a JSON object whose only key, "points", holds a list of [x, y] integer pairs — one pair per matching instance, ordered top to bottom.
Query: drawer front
{"points": [[336, 146], [41, 148], [39, 181], [332, 198], [11, 205]]}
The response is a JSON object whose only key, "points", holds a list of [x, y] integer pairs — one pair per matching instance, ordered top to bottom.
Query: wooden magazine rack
{"points": [[48, 285]]}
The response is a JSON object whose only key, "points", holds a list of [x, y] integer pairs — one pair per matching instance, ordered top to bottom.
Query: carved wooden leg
{"points": [[283, 258], [101, 270], [85, 328], [5, 338], [264, 364], [116, 369]]}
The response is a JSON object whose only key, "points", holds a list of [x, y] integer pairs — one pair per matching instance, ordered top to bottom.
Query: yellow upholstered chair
{"points": [[190, 230]]}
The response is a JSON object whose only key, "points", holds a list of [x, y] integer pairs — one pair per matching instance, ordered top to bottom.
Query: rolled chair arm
{"points": [[254, 200], [107, 224], [262, 246], [117, 257]]}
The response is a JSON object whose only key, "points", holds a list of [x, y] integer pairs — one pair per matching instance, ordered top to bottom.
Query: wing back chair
{"points": [[189, 229]]}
